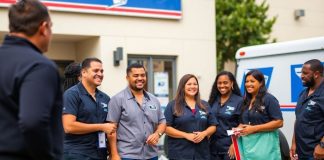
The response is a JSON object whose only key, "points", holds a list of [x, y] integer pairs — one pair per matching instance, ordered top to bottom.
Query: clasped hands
{"points": [[244, 130], [195, 137]]}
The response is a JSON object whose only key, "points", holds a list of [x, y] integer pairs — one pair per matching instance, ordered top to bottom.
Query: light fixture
{"points": [[299, 13], [118, 56]]}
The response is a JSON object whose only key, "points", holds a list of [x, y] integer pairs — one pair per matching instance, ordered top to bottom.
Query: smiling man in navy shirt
{"points": [[84, 113], [308, 140]]}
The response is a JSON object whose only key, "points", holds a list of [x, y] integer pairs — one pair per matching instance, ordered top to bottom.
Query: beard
{"points": [[309, 83], [135, 88]]}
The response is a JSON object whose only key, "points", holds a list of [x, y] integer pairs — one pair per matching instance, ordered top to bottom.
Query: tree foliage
{"points": [[240, 23]]}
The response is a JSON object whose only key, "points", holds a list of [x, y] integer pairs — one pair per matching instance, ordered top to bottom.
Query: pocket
{"points": [[307, 131]]}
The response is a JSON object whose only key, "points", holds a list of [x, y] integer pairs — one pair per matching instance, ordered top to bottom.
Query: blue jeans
{"points": [[154, 158]]}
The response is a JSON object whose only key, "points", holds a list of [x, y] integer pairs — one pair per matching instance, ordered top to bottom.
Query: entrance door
{"points": [[161, 75]]}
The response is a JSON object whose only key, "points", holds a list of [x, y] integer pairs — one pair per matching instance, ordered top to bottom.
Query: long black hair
{"points": [[214, 93], [261, 93]]}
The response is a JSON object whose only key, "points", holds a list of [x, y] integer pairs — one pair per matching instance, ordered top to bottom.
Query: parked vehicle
{"points": [[281, 65]]}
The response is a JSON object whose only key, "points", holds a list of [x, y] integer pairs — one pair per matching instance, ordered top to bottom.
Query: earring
{"points": [[232, 88]]}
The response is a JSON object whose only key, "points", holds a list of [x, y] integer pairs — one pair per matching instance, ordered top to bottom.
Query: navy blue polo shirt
{"points": [[78, 102], [30, 103], [270, 111], [228, 117], [309, 126], [180, 148]]}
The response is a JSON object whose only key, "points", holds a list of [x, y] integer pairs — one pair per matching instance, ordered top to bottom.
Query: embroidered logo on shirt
{"points": [[311, 103], [104, 106], [152, 107], [308, 108], [229, 110], [203, 114]]}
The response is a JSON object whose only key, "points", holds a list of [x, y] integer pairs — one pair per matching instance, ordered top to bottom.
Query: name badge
{"points": [[152, 107], [102, 140]]}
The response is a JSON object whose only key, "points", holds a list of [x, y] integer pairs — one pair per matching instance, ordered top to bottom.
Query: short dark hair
{"points": [[25, 16], [86, 62], [134, 65], [315, 65], [71, 74]]}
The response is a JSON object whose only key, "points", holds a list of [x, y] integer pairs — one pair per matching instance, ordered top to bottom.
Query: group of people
{"points": [[38, 122]]}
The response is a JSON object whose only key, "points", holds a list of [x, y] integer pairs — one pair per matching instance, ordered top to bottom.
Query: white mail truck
{"points": [[281, 65]]}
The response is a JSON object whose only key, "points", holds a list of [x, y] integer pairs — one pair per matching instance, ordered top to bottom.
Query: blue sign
{"points": [[147, 8], [170, 9], [267, 72], [296, 84]]}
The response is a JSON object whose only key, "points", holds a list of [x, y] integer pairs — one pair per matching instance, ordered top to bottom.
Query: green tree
{"points": [[240, 23]]}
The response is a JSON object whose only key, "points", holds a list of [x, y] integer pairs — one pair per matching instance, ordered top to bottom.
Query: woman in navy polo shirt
{"points": [[225, 99], [260, 110], [189, 122]]}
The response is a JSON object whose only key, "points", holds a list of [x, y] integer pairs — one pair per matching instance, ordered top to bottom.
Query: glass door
{"points": [[161, 71]]}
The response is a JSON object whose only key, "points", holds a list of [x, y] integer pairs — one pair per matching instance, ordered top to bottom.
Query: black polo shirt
{"points": [[78, 102], [30, 103], [270, 111], [228, 117], [309, 126], [180, 148]]}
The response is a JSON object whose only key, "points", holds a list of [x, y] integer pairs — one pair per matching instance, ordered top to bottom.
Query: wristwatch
{"points": [[160, 134], [322, 144]]}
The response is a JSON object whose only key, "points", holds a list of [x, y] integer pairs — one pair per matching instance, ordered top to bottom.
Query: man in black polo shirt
{"points": [[30, 95], [84, 113], [308, 138]]}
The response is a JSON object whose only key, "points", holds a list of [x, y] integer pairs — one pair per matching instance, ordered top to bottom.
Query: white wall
{"points": [[287, 28], [191, 39], [61, 51]]}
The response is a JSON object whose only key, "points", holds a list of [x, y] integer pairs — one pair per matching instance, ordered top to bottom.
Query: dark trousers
{"points": [[78, 156], [220, 157], [154, 158]]}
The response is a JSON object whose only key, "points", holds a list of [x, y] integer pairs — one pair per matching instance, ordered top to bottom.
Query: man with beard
{"points": [[84, 113], [139, 118], [308, 140]]}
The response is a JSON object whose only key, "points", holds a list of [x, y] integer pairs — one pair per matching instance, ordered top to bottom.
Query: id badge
{"points": [[102, 140]]}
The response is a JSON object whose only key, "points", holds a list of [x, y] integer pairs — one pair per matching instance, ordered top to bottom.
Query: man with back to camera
{"points": [[30, 94], [84, 114], [139, 118], [308, 138]]}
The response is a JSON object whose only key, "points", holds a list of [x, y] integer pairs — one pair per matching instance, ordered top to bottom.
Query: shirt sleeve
{"points": [[38, 94], [71, 102], [321, 103], [273, 107], [114, 110], [168, 113], [161, 115], [212, 120]]}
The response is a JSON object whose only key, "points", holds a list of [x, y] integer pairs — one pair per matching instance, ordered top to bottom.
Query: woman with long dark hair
{"points": [[225, 99], [260, 119], [189, 122]]}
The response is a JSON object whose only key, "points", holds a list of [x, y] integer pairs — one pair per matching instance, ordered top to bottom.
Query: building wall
{"points": [[288, 28], [191, 39]]}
